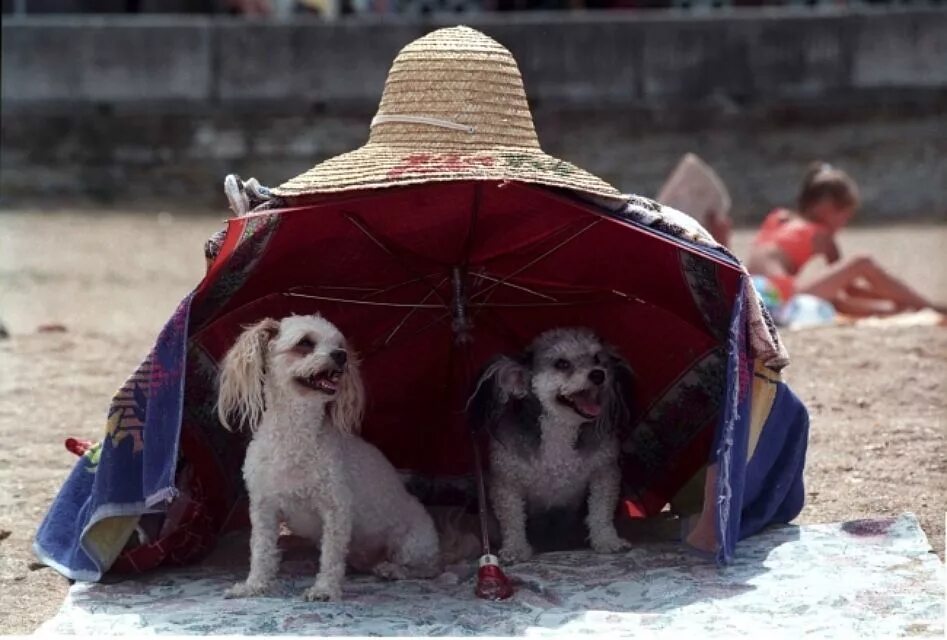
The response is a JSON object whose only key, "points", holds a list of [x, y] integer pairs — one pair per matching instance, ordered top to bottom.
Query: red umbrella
{"points": [[429, 282]]}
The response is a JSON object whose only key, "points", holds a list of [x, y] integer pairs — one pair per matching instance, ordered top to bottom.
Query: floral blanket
{"points": [[864, 579]]}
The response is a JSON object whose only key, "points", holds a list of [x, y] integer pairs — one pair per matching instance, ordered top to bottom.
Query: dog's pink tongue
{"points": [[586, 404]]}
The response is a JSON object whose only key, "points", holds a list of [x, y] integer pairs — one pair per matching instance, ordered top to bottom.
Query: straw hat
{"points": [[453, 108]]}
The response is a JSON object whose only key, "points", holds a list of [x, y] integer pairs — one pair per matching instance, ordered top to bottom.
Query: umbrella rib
{"points": [[361, 227], [539, 258], [484, 276], [398, 285], [371, 292], [604, 297], [403, 305], [506, 305], [243, 306], [409, 314], [438, 319], [379, 347]]}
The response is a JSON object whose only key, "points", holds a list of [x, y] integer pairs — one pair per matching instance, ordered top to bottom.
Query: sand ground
{"points": [[878, 397]]}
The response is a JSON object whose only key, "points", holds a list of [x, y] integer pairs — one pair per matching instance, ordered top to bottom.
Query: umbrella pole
{"points": [[492, 583]]}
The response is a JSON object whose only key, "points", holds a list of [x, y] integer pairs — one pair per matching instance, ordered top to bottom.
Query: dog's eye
{"points": [[306, 343], [562, 364]]}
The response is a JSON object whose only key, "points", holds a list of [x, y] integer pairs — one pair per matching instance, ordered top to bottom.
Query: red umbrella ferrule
{"points": [[492, 583]]}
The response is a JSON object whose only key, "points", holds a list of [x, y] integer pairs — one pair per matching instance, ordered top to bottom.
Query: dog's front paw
{"points": [[610, 544], [513, 553], [248, 589], [322, 592]]}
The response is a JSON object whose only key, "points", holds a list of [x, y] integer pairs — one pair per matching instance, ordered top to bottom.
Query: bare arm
{"points": [[824, 243], [768, 260]]}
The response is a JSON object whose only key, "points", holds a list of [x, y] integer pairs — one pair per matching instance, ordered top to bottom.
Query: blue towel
{"points": [[131, 472], [765, 487]]}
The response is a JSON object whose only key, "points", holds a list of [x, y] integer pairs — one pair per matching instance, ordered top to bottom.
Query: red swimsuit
{"points": [[794, 237]]}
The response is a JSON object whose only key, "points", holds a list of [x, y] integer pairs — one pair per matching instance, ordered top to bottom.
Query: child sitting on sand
{"points": [[787, 240]]}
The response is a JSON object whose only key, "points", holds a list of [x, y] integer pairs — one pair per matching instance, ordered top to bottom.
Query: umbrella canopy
{"points": [[430, 282]]}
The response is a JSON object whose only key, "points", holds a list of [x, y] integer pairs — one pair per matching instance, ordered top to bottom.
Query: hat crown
{"points": [[454, 89], [453, 108]]}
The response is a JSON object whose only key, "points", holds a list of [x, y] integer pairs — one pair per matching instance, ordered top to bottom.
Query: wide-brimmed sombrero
{"points": [[453, 108]]}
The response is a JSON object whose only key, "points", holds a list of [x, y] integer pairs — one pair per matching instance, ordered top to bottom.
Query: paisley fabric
{"points": [[863, 579]]}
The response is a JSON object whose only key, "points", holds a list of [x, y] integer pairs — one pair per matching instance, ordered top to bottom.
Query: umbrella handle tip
{"points": [[492, 583]]}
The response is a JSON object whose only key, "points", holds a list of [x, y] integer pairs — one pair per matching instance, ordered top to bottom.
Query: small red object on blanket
{"points": [[77, 446]]}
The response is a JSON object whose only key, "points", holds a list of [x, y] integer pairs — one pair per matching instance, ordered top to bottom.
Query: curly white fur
{"points": [[297, 387], [543, 455]]}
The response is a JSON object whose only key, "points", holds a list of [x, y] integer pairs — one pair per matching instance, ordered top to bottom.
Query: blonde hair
{"points": [[821, 181]]}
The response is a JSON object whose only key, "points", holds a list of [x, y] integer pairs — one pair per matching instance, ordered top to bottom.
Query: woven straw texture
{"points": [[471, 87]]}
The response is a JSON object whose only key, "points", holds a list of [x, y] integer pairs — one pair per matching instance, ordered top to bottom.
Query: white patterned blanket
{"points": [[865, 579]]}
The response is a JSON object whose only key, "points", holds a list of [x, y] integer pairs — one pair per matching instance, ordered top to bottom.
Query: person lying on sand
{"points": [[787, 240]]}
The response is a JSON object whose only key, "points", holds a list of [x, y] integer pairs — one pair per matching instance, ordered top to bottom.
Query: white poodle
{"points": [[296, 385], [555, 413]]}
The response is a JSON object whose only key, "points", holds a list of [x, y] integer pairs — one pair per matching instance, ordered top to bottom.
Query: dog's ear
{"points": [[241, 376], [504, 378], [348, 409], [618, 411]]}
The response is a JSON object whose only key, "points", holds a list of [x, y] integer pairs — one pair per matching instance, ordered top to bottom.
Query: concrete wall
{"points": [[585, 59], [126, 108]]}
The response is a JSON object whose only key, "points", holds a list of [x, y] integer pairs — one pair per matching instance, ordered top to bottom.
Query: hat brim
{"points": [[376, 166]]}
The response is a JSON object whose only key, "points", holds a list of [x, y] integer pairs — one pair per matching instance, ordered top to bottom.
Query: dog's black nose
{"points": [[339, 357], [597, 376]]}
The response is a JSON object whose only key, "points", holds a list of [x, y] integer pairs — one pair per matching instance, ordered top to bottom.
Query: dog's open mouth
{"points": [[324, 381], [585, 403]]}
